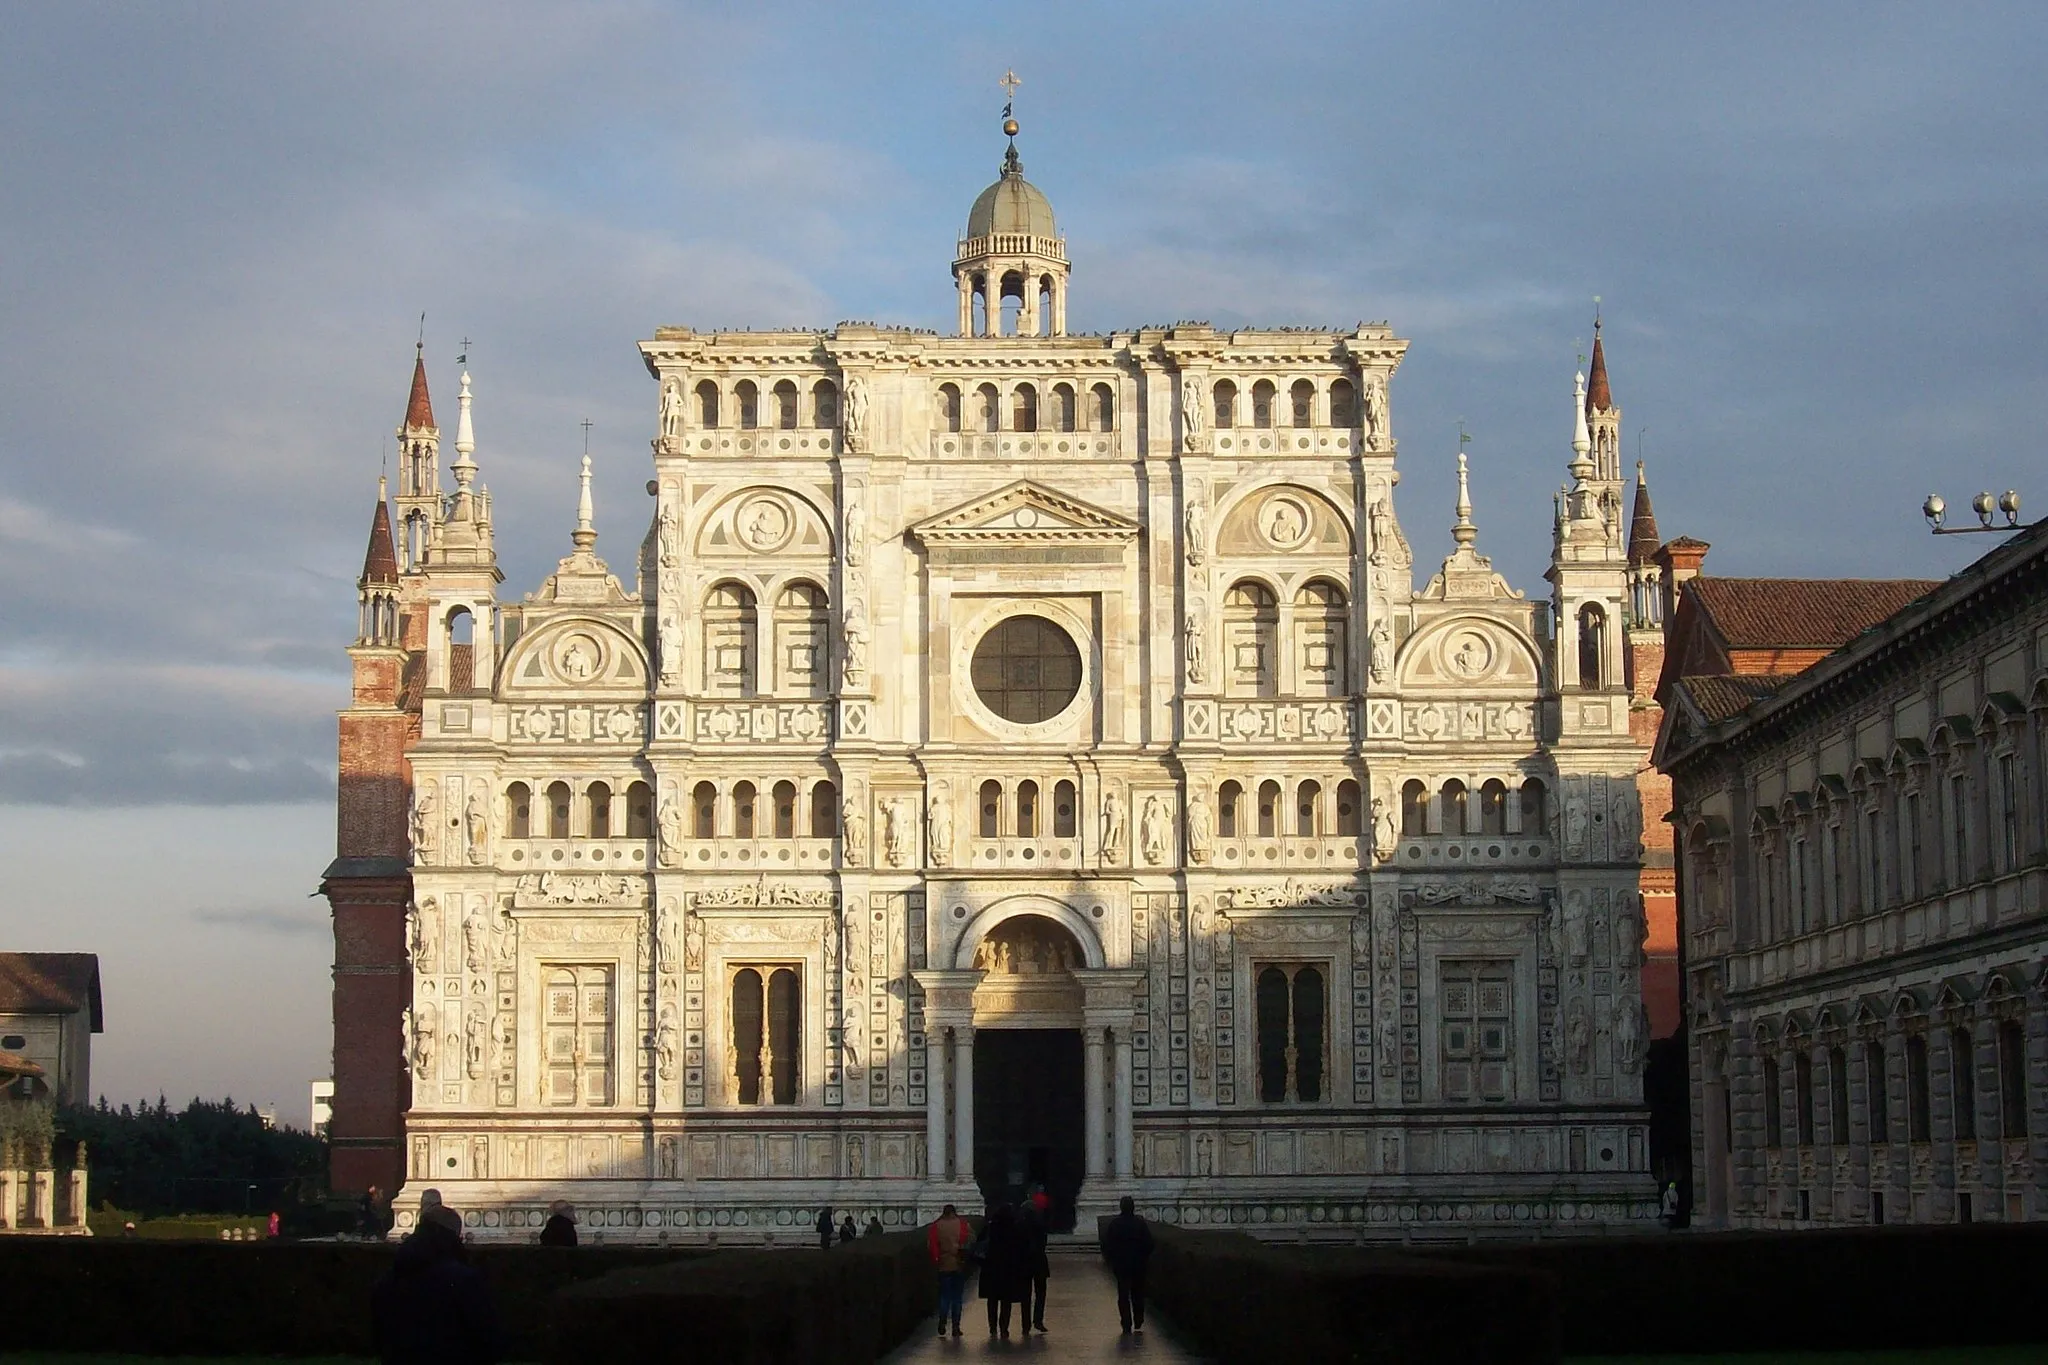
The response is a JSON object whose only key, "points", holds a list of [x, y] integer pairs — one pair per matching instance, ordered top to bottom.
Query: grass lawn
{"points": [[1957, 1355]]}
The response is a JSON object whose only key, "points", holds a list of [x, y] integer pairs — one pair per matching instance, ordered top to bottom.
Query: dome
{"points": [[1012, 204]]}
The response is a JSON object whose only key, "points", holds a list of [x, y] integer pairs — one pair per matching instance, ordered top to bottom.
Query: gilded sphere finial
{"points": [[1009, 127]]}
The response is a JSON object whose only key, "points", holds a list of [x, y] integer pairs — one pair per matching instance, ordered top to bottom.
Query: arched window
{"points": [[1012, 304], [1045, 306], [978, 308], [1302, 402], [707, 403], [1262, 403], [750, 404], [825, 404], [1104, 404], [1343, 404], [785, 405], [1226, 405], [949, 406], [989, 407], [1024, 408], [1067, 410], [803, 625], [1251, 629], [729, 634], [1592, 644], [461, 651], [1320, 651], [1229, 797], [1453, 797], [991, 801], [1308, 801], [704, 804], [1493, 807], [1414, 809], [558, 810], [598, 810], [743, 810], [785, 810], [824, 810], [1027, 810], [1269, 810], [518, 811], [639, 811], [1535, 814], [1064, 821], [1349, 821], [1309, 1010], [1291, 1013], [767, 1023], [785, 1035], [1838, 1097]]}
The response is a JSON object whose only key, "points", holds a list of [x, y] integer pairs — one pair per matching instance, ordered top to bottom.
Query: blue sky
{"points": [[1816, 230]]}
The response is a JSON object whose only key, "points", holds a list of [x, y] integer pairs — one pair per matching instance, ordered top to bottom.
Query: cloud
{"points": [[312, 922]]}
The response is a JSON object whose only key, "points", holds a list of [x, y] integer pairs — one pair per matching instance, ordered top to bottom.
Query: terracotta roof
{"points": [[1598, 399], [419, 409], [1642, 523], [380, 564], [1801, 613], [1720, 696], [50, 983], [14, 1065]]}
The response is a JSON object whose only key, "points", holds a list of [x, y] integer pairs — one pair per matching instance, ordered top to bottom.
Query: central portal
{"points": [[1028, 1128]]}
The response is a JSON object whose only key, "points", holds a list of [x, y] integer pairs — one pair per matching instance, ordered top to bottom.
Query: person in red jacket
{"points": [[948, 1239]]}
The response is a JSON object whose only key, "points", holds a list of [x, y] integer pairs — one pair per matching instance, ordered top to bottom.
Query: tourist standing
{"points": [[1035, 1224], [825, 1226], [874, 1227], [560, 1229], [847, 1231], [948, 1240], [1127, 1246], [1004, 1269], [431, 1306]]}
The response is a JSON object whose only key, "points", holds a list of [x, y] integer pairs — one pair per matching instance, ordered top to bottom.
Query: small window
{"points": [[1302, 399], [1104, 403], [1262, 403], [707, 404], [750, 404], [824, 404], [1343, 404], [785, 405], [1226, 405], [949, 406], [990, 407], [1024, 408], [1068, 410], [1592, 644], [1453, 797], [1229, 798], [704, 800], [1308, 800], [598, 803], [1493, 807], [991, 809], [1414, 809], [558, 810], [743, 810], [785, 810], [824, 810], [1027, 810], [1269, 810], [518, 811], [639, 811], [1348, 812], [1535, 816], [1064, 820], [13, 1042], [1962, 1061], [2012, 1079], [1802, 1087], [1876, 1093], [1838, 1097], [1772, 1101], [1919, 1105]]}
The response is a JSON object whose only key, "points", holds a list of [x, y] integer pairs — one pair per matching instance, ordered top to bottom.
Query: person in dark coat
{"points": [[1035, 1223], [825, 1227], [874, 1227], [560, 1229], [847, 1231], [1127, 1246], [1005, 1269], [431, 1307]]}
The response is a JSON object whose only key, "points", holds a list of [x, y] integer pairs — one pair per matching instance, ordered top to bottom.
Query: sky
{"points": [[1815, 232]]}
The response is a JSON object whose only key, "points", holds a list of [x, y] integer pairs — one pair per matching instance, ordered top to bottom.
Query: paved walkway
{"points": [[1080, 1320]]}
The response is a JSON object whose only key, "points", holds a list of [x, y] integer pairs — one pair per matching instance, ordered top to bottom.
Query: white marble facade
{"points": [[1067, 682]]}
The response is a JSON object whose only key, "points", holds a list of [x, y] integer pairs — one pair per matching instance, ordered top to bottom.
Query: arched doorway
{"points": [[1030, 1122]]}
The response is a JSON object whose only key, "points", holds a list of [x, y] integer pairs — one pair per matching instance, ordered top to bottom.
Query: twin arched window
{"points": [[800, 634], [1251, 641]]}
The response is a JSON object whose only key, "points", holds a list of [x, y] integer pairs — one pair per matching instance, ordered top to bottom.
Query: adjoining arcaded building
{"points": [[1009, 758], [1860, 786]]}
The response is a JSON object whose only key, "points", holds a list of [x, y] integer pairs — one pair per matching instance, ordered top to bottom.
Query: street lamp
{"points": [[1984, 505]]}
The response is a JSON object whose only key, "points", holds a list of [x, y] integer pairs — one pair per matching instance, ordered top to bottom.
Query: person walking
{"points": [[1035, 1224], [825, 1226], [560, 1229], [848, 1232], [948, 1240], [1127, 1246], [1005, 1269], [431, 1308]]}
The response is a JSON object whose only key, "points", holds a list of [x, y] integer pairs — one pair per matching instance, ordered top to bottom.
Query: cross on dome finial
{"points": [[1012, 165]]}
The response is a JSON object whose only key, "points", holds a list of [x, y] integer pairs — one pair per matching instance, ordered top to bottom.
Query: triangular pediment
{"points": [[1025, 512]]}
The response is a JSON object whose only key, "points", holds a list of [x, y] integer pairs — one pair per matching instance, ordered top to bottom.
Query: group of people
{"points": [[844, 1231], [1009, 1256], [433, 1305]]}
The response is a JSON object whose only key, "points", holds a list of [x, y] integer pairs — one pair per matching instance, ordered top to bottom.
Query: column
{"points": [[992, 301], [966, 305], [1091, 1098], [963, 1103], [1123, 1103], [935, 1104], [10, 1198]]}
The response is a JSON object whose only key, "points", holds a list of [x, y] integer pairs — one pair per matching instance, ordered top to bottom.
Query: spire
{"points": [[1598, 397], [419, 408], [1582, 439], [465, 442], [1463, 530], [585, 534], [1643, 539], [380, 563]]}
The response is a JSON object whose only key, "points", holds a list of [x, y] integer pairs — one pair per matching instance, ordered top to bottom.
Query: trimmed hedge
{"points": [[1822, 1289], [263, 1298], [1241, 1300], [847, 1306]]}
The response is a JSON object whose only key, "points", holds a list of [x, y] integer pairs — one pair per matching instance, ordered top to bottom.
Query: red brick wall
{"points": [[1659, 877]]}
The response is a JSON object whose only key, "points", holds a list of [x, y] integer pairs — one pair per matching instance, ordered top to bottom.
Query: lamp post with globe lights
{"points": [[1985, 505]]}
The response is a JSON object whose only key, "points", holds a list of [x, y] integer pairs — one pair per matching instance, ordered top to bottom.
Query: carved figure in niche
{"points": [[1191, 410], [671, 411], [1375, 412], [856, 421], [766, 524], [1284, 526], [1195, 528], [856, 532], [671, 538], [1389, 546], [853, 633], [1192, 637], [670, 642], [1380, 645], [1470, 656], [578, 660], [424, 806], [1625, 813], [938, 819], [853, 821], [1574, 821], [1112, 825], [476, 826], [1200, 827], [1153, 829], [669, 830], [896, 831], [1386, 836], [1546, 929], [1631, 930], [426, 935], [668, 938], [693, 942], [1576, 945], [473, 955], [1578, 1034], [850, 1035], [1628, 1036], [405, 1037], [665, 1037], [475, 1038], [1390, 1038], [1203, 1046], [1205, 1154], [918, 1155], [1138, 1156], [480, 1158], [665, 1158], [856, 1158]]}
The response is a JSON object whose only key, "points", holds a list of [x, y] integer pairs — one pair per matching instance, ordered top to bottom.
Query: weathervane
{"points": [[1009, 82], [463, 359], [586, 435]]}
